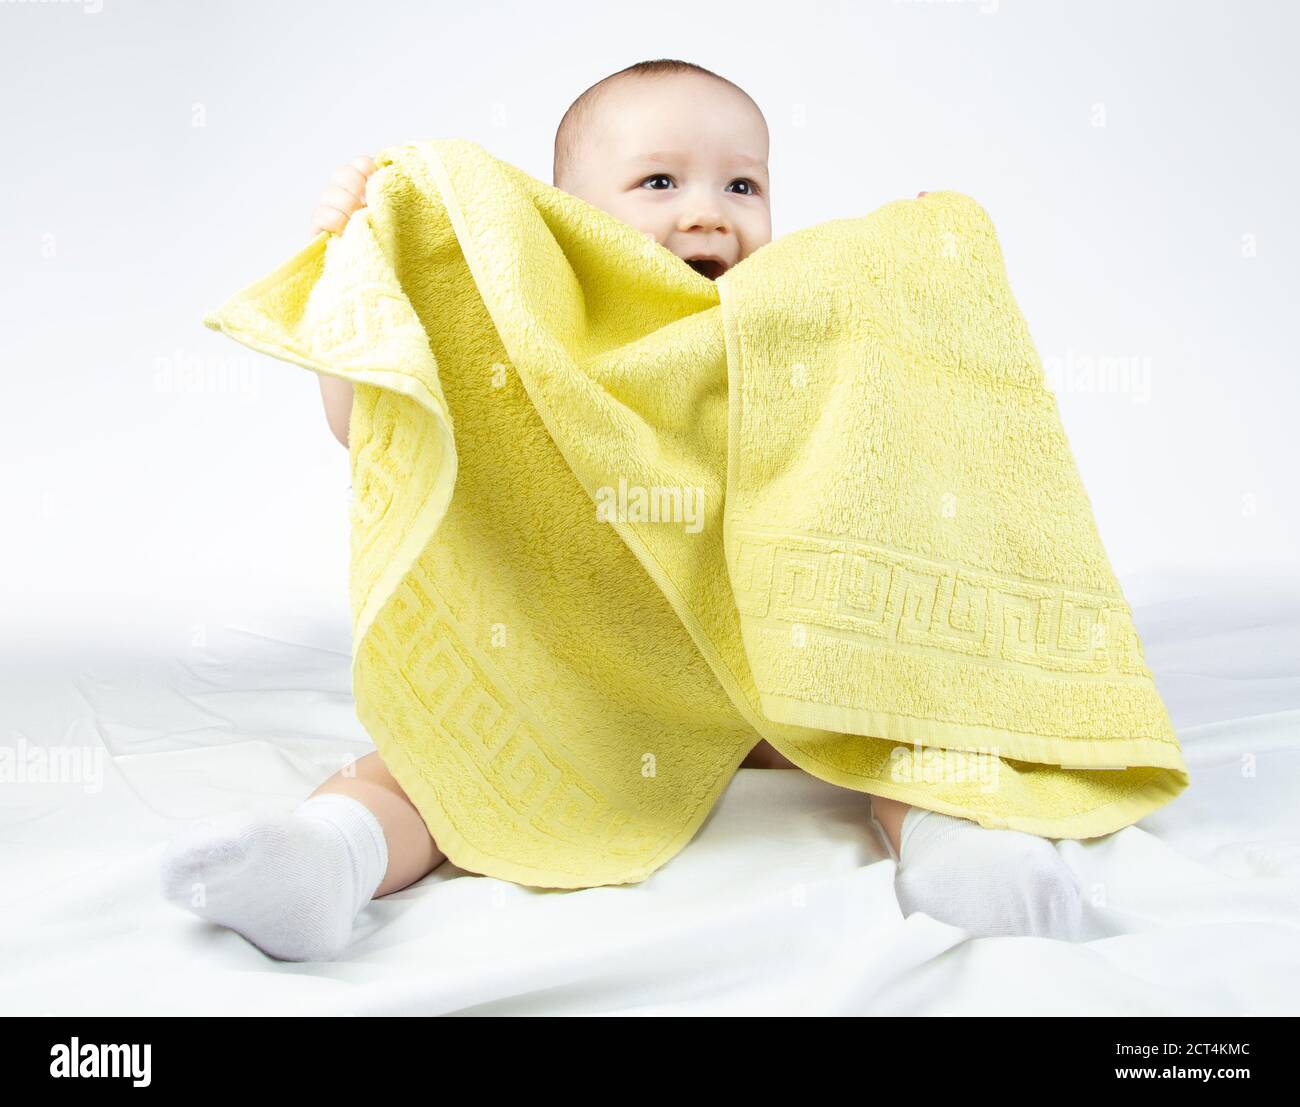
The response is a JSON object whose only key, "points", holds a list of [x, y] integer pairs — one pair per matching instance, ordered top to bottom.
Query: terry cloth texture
{"points": [[614, 522]]}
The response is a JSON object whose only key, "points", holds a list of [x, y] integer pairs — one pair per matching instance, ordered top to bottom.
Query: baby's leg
{"points": [[765, 756], [890, 814], [412, 852], [993, 883], [293, 884]]}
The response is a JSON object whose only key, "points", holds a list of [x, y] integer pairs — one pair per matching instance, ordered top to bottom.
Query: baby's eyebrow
{"points": [[660, 155]]}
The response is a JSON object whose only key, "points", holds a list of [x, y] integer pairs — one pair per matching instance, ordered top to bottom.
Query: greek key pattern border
{"points": [[884, 597], [438, 687]]}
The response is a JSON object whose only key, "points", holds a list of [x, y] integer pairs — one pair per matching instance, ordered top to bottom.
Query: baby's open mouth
{"points": [[707, 267]]}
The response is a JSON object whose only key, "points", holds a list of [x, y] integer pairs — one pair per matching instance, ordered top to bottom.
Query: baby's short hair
{"points": [[568, 136]]}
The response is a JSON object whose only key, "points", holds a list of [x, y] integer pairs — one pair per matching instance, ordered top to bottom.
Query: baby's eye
{"points": [[658, 177], [752, 188]]}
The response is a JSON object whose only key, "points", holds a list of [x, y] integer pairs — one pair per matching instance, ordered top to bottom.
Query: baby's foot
{"points": [[993, 883], [291, 884]]}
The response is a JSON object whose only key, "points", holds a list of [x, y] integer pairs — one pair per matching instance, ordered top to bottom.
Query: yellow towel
{"points": [[614, 522]]}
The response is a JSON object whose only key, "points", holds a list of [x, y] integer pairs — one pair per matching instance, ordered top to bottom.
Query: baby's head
{"points": [[675, 151]]}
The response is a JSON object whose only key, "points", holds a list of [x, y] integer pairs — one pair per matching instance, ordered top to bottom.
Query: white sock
{"points": [[993, 883], [291, 884]]}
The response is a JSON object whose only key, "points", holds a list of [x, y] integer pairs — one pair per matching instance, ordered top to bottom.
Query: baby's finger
{"points": [[364, 165], [352, 181], [920, 194], [338, 197], [328, 219]]}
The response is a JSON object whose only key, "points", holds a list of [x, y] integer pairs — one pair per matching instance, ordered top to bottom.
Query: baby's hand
{"points": [[345, 195]]}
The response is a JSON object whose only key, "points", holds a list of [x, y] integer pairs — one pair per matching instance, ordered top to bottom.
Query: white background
{"points": [[157, 157], [173, 559]]}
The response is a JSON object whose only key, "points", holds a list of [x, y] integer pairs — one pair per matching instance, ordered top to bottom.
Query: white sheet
{"points": [[783, 903]]}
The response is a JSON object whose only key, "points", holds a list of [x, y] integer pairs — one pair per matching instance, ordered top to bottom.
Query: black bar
{"points": [[988, 1056]]}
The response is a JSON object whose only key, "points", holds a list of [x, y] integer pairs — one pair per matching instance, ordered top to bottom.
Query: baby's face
{"points": [[682, 159]]}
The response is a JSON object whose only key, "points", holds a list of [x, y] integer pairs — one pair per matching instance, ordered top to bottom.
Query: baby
{"points": [[680, 154]]}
